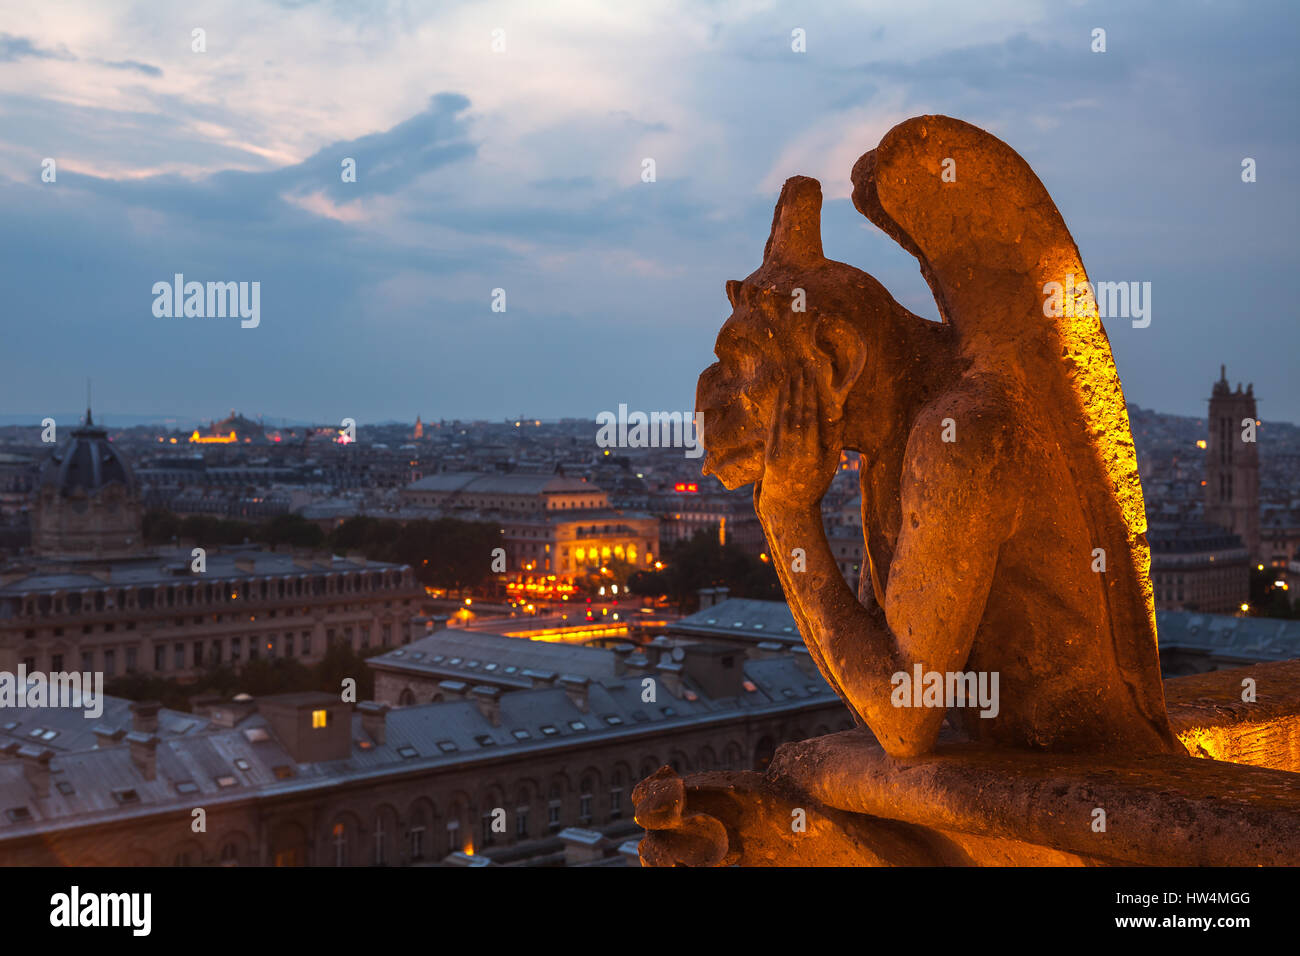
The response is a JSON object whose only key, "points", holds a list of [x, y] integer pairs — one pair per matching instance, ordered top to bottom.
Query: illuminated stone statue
{"points": [[1001, 507], [1004, 531]]}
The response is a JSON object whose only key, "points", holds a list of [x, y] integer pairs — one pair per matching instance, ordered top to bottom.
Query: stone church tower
{"points": [[1232, 463], [87, 502]]}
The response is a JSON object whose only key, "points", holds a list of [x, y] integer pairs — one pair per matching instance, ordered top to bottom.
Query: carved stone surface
{"points": [[998, 471]]}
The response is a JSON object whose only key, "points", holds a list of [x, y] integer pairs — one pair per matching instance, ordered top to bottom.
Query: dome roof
{"points": [[88, 461]]}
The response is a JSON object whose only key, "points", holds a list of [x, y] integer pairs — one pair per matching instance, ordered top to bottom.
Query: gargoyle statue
{"points": [[1001, 507]]}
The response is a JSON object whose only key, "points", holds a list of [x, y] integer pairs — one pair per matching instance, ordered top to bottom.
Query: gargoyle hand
{"points": [[803, 447]]}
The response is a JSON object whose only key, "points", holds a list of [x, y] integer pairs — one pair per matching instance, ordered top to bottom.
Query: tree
{"points": [[702, 562]]}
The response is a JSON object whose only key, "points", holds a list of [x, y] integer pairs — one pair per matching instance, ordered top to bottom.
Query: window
{"points": [[306, 643], [234, 649], [198, 653], [178, 657], [87, 661], [56, 662], [110, 663], [319, 719], [615, 803], [553, 809], [521, 823], [453, 833], [380, 842], [417, 842], [340, 845]]}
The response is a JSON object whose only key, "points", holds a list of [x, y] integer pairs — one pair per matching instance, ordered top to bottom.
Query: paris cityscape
{"points": [[589, 437], [369, 553]]}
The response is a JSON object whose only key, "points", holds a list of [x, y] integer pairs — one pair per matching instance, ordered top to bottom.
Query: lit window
{"points": [[318, 718]]}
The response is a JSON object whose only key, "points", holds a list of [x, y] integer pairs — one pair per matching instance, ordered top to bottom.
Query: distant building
{"points": [[1232, 464], [509, 493], [87, 503], [550, 524], [844, 535], [1198, 567], [93, 598], [153, 614]]}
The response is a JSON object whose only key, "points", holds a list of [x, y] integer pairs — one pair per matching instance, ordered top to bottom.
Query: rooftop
{"points": [[168, 567], [217, 764]]}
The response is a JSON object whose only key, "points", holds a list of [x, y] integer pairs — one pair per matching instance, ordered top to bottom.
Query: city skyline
{"points": [[521, 169]]}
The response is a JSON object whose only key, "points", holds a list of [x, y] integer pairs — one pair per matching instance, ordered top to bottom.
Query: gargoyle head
{"points": [[799, 309]]}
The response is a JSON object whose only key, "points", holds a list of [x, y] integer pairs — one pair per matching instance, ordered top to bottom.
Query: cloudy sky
{"points": [[521, 170]]}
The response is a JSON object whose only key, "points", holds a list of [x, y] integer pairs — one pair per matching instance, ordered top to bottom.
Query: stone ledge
{"points": [[1210, 718], [1167, 810]]}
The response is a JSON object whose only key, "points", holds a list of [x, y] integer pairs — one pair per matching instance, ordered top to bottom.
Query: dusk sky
{"points": [[521, 170]]}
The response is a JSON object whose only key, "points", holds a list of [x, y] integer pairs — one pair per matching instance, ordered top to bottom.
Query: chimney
{"points": [[302, 558], [721, 594], [706, 597], [622, 654], [637, 665], [670, 674], [539, 678], [575, 688], [452, 689], [489, 702], [144, 716], [374, 719], [106, 736], [144, 753], [36, 768], [582, 846]]}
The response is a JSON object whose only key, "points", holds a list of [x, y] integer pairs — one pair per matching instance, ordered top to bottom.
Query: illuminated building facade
{"points": [[551, 525]]}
